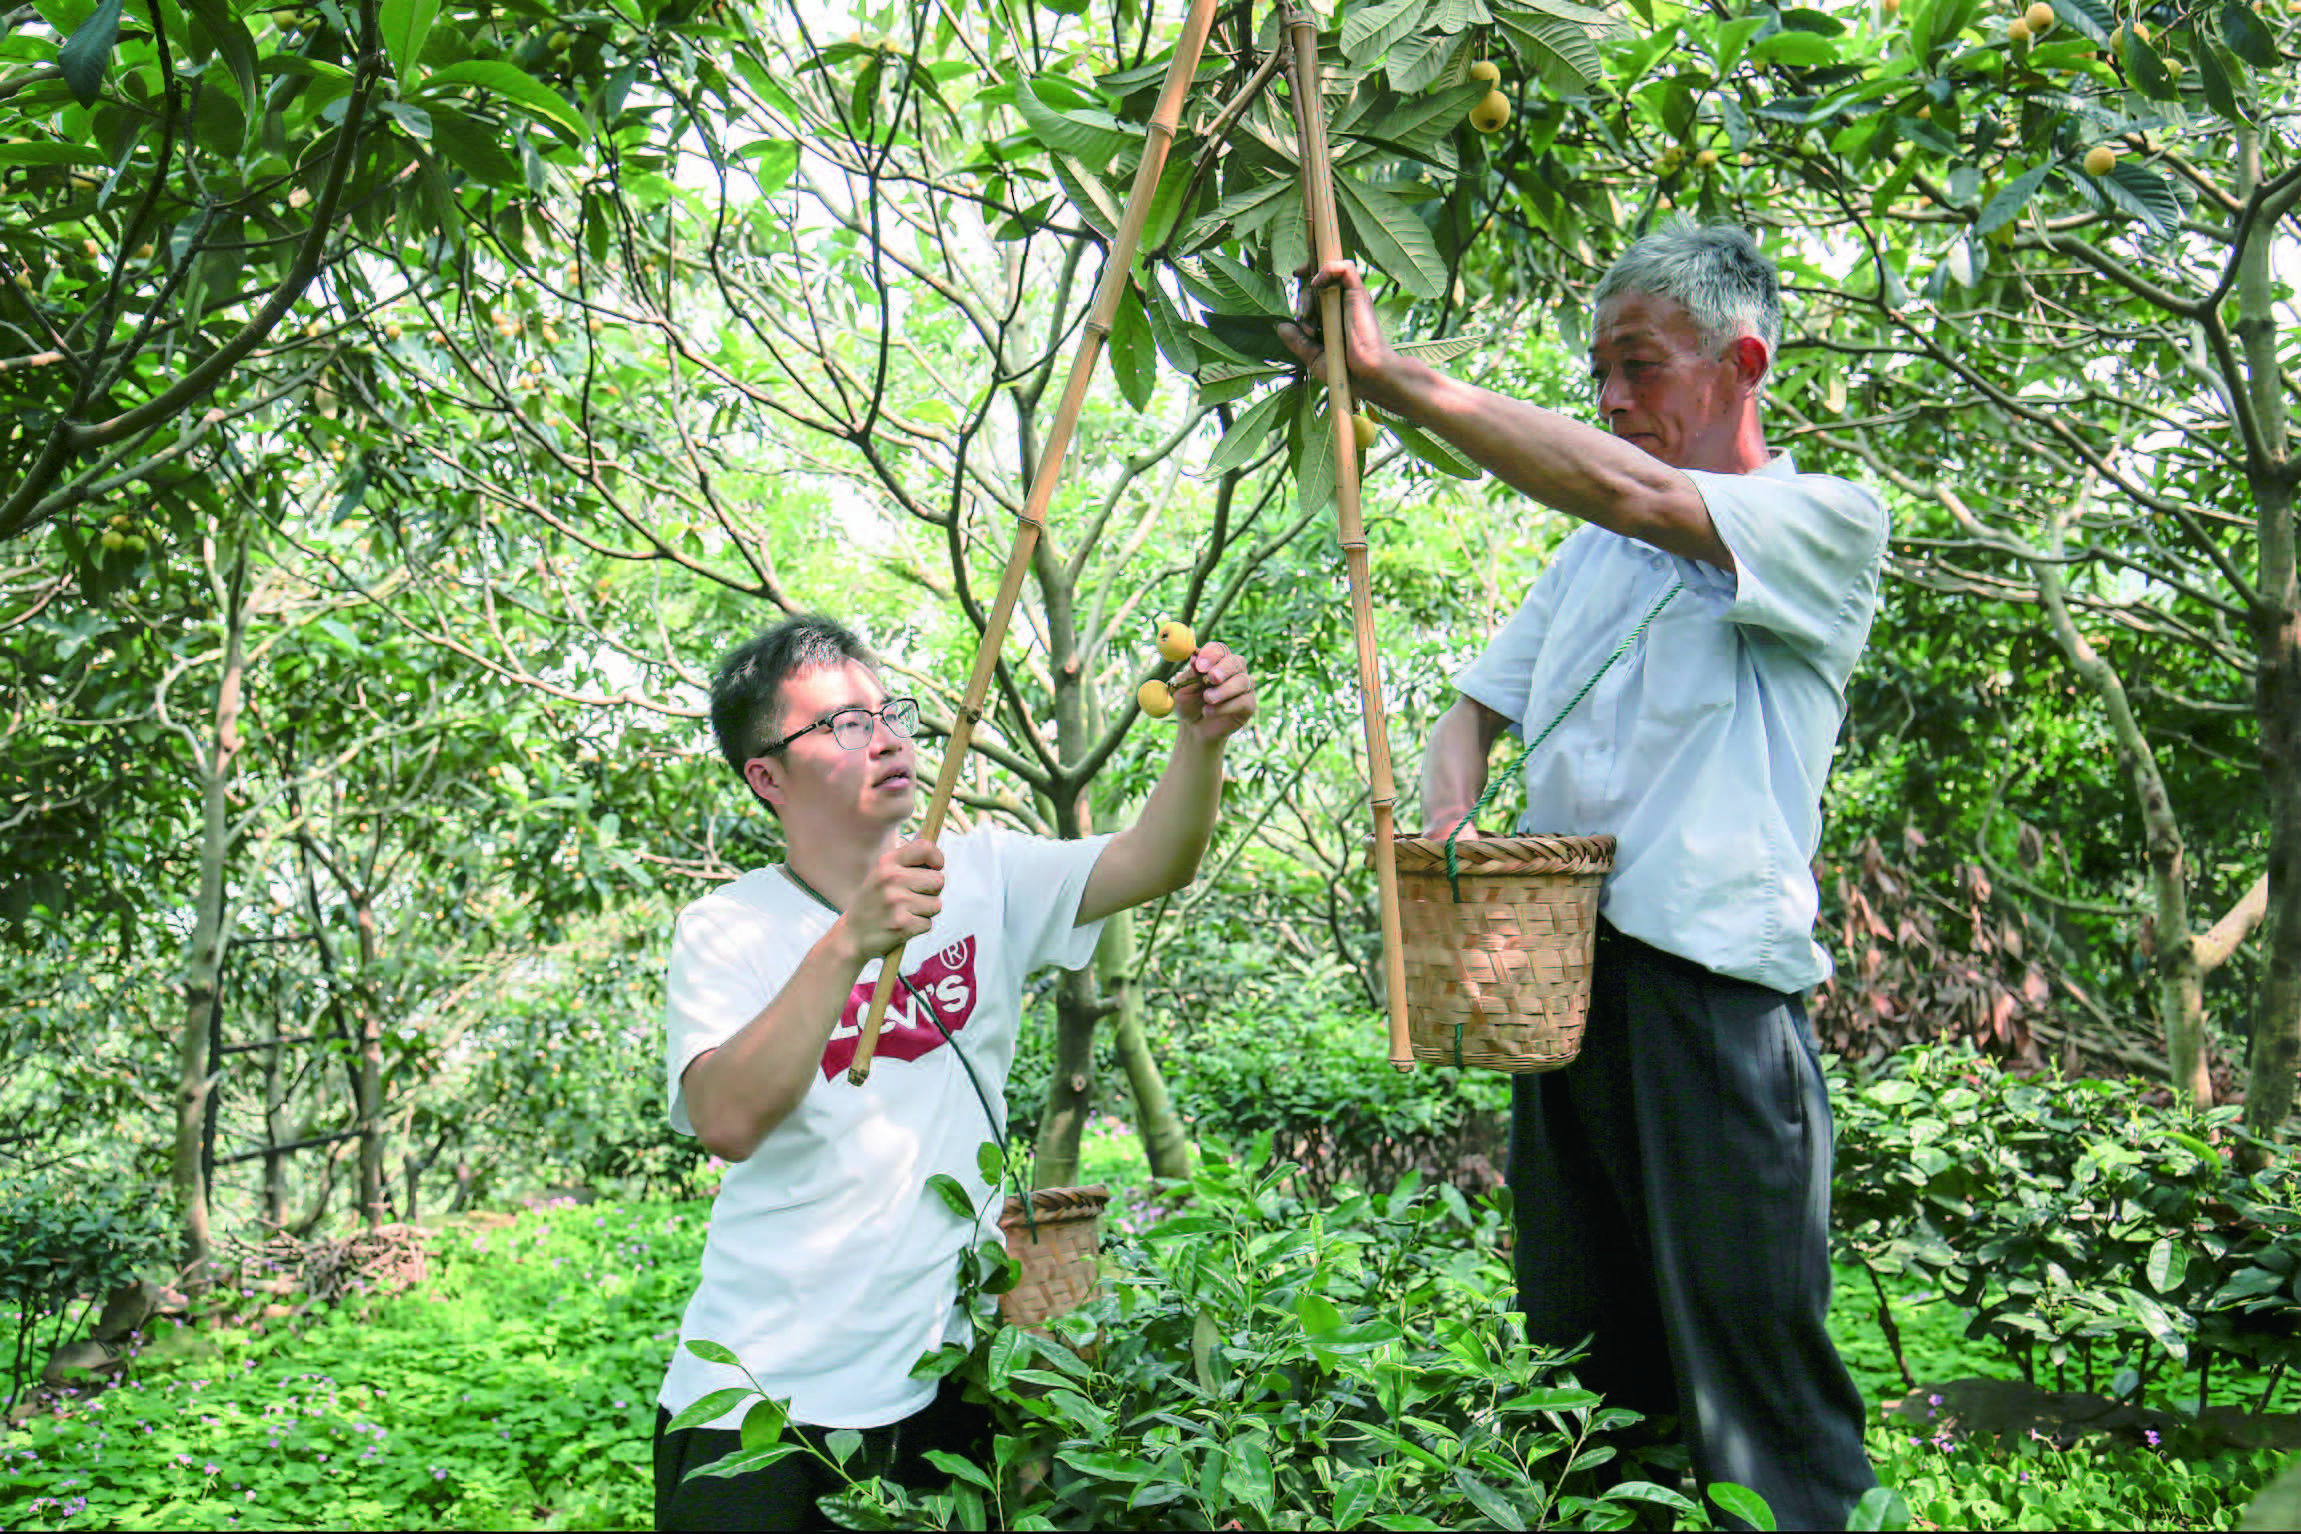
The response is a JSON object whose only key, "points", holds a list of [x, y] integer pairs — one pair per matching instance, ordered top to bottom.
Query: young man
{"points": [[1672, 1185], [830, 1269]]}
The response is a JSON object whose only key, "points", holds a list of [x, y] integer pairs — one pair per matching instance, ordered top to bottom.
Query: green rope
{"points": [[1494, 784]]}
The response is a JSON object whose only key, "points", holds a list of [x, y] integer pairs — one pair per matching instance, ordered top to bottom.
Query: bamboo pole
{"points": [[1326, 246], [1118, 269]]}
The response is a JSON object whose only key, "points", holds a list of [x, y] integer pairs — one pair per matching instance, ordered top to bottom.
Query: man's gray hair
{"points": [[1715, 272]]}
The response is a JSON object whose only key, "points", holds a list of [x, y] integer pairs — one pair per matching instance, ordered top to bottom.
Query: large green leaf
{"points": [[406, 27], [1368, 32], [88, 50], [1562, 50], [514, 85], [1094, 139], [2146, 194], [2011, 199], [1096, 203], [1394, 239], [1222, 283], [1134, 355], [1253, 433]]}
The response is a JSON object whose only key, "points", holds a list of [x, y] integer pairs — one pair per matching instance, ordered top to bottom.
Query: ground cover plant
{"points": [[1261, 1353], [514, 1388]]}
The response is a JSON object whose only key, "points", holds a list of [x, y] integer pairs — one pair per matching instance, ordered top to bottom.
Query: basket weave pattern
{"points": [[1500, 978], [1061, 1264]]}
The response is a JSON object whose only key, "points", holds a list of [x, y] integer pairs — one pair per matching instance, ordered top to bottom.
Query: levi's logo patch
{"points": [[945, 982]]}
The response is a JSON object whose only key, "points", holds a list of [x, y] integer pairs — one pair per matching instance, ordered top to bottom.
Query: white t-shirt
{"points": [[1704, 748], [830, 1269]]}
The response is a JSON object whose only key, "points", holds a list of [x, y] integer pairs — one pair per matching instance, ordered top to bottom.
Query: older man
{"points": [[1672, 1186]]}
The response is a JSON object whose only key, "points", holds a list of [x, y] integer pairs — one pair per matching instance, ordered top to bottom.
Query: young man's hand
{"points": [[1217, 700], [898, 899]]}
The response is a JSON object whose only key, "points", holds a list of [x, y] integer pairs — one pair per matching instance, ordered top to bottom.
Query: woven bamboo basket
{"points": [[1500, 977], [1061, 1262]]}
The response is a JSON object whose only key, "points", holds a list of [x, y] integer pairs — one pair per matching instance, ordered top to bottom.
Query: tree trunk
{"points": [[2277, 644], [203, 963], [2180, 977], [1071, 1091], [369, 1099], [275, 1118], [1166, 1146]]}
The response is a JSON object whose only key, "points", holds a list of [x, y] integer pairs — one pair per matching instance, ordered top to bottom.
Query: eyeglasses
{"points": [[852, 727]]}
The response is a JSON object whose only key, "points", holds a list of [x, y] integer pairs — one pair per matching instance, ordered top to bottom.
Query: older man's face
{"points": [[1656, 386]]}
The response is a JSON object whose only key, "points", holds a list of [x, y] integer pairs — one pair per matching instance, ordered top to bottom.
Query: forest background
{"points": [[403, 403]]}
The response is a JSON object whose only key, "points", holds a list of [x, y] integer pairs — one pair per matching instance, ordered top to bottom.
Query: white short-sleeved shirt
{"points": [[1704, 748], [830, 1269]]}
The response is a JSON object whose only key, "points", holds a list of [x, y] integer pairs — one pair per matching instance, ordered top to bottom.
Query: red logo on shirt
{"points": [[945, 982]]}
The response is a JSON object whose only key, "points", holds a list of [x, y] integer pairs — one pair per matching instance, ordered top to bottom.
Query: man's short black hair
{"points": [[747, 689]]}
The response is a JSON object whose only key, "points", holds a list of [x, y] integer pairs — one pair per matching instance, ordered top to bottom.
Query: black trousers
{"points": [[1672, 1189], [783, 1495]]}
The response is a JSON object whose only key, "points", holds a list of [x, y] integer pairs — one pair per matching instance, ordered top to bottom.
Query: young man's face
{"points": [[1656, 386], [817, 782]]}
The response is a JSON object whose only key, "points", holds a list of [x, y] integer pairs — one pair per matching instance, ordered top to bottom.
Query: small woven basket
{"points": [[1500, 977], [1061, 1262]]}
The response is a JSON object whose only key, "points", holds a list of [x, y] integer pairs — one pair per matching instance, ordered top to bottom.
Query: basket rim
{"points": [[1522, 854]]}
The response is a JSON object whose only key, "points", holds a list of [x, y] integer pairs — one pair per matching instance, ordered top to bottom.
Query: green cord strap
{"points": [[1494, 784]]}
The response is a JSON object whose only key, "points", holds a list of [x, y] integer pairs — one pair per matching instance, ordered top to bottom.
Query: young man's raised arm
{"points": [[1160, 852]]}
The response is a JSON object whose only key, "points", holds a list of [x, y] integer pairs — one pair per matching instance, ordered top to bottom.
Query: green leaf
{"points": [[406, 26], [1368, 33], [2248, 35], [232, 42], [1796, 49], [1563, 50], [84, 55], [2145, 68], [2220, 77], [514, 85], [1095, 141], [51, 154], [2145, 194], [2011, 199], [1096, 202], [1395, 240], [1232, 286], [1168, 329], [1134, 355], [1314, 470], [989, 1163], [954, 1197], [2168, 1265], [713, 1351], [709, 1408], [763, 1424], [843, 1444], [746, 1462], [1648, 1491], [1353, 1501], [1744, 1504], [1881, 1507], [1498, 1508]]}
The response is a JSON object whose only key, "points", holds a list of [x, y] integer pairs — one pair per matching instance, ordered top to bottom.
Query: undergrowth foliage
{"points": [[2097, 1238], [1257, 1360]]}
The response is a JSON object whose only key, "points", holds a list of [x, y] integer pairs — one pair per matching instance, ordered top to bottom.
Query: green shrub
{"points": [[1295, 1054], [2082, 1228], [64, 1245], [1258, 1360]]}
